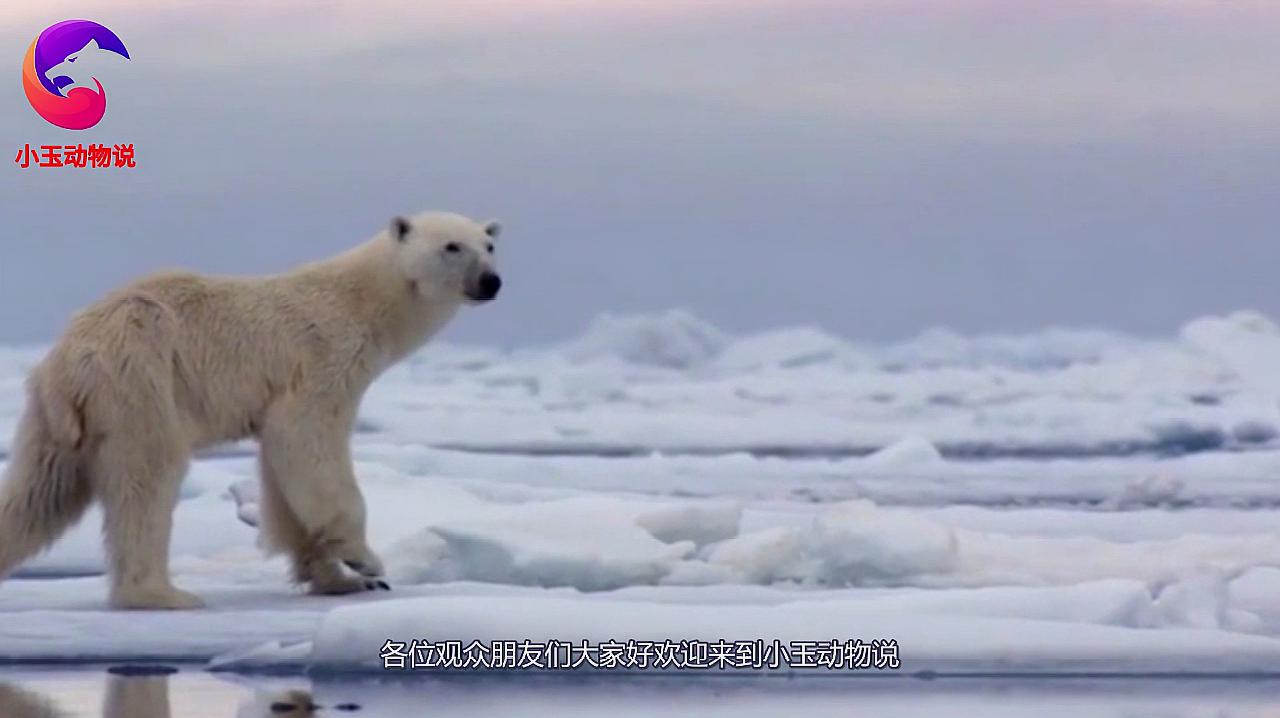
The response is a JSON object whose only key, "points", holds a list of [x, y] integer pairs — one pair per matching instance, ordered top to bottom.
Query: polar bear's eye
{"points": [[453, 247], [489, 247]]}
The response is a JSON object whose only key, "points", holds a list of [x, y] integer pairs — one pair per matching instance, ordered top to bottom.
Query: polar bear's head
{"points": [[448, 255]]}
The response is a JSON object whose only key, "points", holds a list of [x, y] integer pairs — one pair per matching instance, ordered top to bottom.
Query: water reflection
{"points": [[196, 694], [60, 695], [137, 697], [16, 702], [287, 704]]}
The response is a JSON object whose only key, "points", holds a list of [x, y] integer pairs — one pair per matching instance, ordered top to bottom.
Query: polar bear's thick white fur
{"points": [[177, 362]]}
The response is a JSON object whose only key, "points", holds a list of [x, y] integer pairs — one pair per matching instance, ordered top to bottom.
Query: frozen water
{"points": [[1061, 501]]}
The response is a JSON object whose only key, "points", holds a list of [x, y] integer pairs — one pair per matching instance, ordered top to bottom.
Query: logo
{"points": [[59, 67]]}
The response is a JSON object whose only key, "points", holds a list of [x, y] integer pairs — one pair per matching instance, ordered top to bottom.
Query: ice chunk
{"points": [[675, 339], [1245, 342], [788, 348], [910, 451], [1151, 490], [587, 543], [853, 543], [856, 544], [764, 556]]}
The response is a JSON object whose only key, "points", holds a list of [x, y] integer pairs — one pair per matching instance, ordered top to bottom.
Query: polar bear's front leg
{"points": [[312, 507]]}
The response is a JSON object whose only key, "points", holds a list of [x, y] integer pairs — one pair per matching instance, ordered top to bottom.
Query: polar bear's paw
{"points": [[360, 558], [369, 567], [344, 585], [163, 598]]}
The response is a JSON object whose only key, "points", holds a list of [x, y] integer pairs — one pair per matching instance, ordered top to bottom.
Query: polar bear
{"points": [[177, 362]]}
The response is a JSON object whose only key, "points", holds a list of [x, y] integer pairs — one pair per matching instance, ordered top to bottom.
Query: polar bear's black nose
{"points": [[488, 286]]}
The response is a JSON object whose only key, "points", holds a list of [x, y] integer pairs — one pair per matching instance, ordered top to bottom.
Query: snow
{"points": [[668, 383], [1062, 500]]}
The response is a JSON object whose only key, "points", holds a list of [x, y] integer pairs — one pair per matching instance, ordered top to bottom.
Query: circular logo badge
{"points": [[57, 73]]}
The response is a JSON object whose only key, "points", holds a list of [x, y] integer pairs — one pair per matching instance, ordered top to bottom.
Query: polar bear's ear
{"points": [[399, 228], [493, 228]]}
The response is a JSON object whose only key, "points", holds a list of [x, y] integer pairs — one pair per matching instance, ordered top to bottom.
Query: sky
{"points": [[873, 168]]}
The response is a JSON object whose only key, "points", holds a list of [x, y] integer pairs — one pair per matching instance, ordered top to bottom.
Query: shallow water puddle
{"points": [[94, 693]]}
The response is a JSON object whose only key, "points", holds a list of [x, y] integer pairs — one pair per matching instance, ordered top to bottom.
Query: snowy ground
{"points": [[1058, 502]]}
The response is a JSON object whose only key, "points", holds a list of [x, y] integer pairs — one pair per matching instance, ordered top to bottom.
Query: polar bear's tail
{"points": [[43, 492]]}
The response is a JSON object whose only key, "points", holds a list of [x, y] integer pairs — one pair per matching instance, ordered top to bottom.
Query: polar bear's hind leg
{"points": [[141, 454], [138, 476]]}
